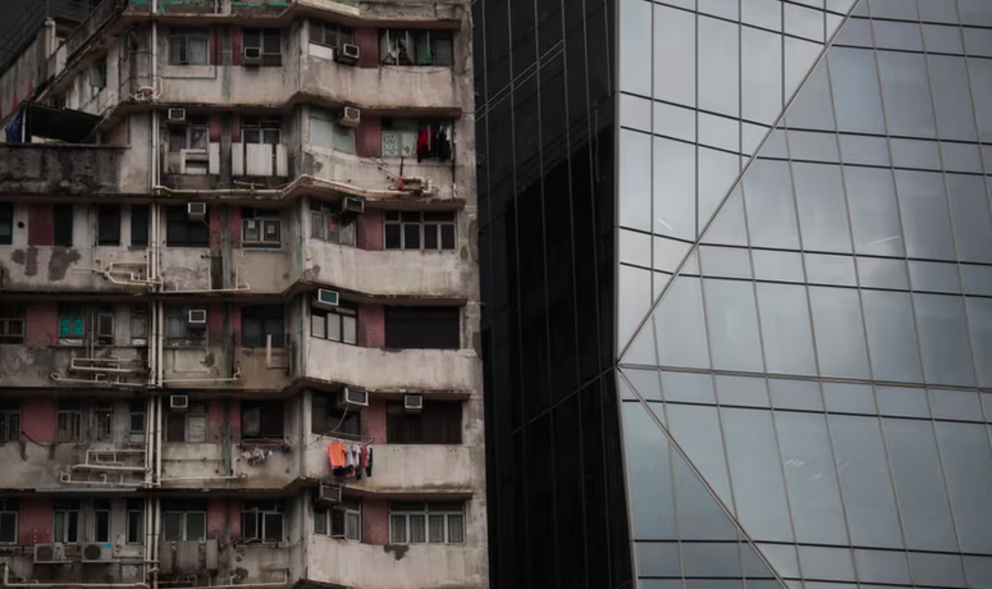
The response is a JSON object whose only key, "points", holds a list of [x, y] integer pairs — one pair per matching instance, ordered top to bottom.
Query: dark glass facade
{"points": [[801, 341]]}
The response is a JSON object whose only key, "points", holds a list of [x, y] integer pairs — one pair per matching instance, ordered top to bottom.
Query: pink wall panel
{"points": [[368, 42], [369, 137], [41, 224], [370, 229], [41, 325], [372, 326], [38, 418], [374, 420], [34, 520], [375, 521]]}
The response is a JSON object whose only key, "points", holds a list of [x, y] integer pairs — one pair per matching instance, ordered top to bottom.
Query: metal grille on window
{"points": [[397, 529]]}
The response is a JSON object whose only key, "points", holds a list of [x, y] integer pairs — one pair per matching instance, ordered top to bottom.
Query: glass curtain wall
{"points": [[805, 291]]}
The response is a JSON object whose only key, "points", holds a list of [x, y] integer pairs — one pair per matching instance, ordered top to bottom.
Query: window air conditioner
{"points": [[347, 54], [252, 56], [177, 116], [351, 116], [353, 205], [196, 211], [327, 298], [197, 317], [354, 397], [178, 402], [413, 403], [329, 494], [98, 552], [47, 553]]}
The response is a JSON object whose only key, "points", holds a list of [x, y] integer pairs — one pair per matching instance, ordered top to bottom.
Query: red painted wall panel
{"points": [[368, 43], [214, 45], [236, 45], [216, 128], [236, 129], [368, 139], [41, 224], [215, 225], [235, 226], [370, 229], [41, 324], [215, 325], [372, 326], [38, 418], [215, 419], [374, 421], [234, 516], [216, 517], [34, 520], [375, 521]]}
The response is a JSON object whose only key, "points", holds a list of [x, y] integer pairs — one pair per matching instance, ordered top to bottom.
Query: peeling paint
{"points": [[17, 257], [60, 261], [31, 264]]}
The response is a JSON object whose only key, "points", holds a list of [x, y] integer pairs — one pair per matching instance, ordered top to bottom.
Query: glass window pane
{"points": [[635, 47], [674, 55], [761, 75], [718, 78], [906, 93], [952, 95], [856, 96], [635, 178], [674, 188], [822, 208], [771, 214], [924, 214], [970, 214], [874, 215], [411, 236], [733, 324], [980, 324], [318, 326], [334, 327], [681, 327], [785, 329], [349, 330], [839, 332], [892, 336], [944, 339], [698, 431], [968, 468], [648, 475], [173, 527], [196, 527], [397, 529], [436, 529], [418, 532]]}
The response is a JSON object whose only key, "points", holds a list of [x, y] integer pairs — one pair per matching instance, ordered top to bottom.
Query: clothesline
{"points": [[349, 459]]}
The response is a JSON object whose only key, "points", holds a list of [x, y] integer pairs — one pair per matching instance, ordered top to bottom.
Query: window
{"points": [[329, 35], [267, 42], [189, 46], [401, 47], [98, 75], [265, 130], [326, 131], [194, 135], [423, 139], [6, 223], [63, 224], [108, 225], [139, 225], [328, 225], [261, 228], [427, 230], [182, 231], [259, 322], [11, 324], [339, 324], [72, 325], [139, 326], [105, 327], [422, 327], [180, 333], [327, 417], [261, 419], [10, 421], [136, 422], [69, 423], [104, 423], [437, 423], [187, 427], [8, 521], [66, 521], [101, 521], [135, 521], [262, 521], [341, 521], [419, 523], [184, 526]]}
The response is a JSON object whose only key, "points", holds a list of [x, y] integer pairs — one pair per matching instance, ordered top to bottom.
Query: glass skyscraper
{"points": [[786, 376]]}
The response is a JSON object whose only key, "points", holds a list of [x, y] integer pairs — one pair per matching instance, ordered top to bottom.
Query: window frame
{"points": [[339, 32], [186, 34], [406, 38], [269, 58], [98, 75], [332, 119], [264, 126], [195, 132], [405, 134], [322, 214], [64, 215], [140, 215], [264, 218], [402, 221], [6, 223], [108, 224], [192, 233], [339, 315], [11, 316], [73, 316], [266, 320], [195, 337], [265, 408], [195, 411], [325, 416], [103, 420], [10, 425], [69, 425], [428, 427], [136, 436], [9, 507], [101, 508], [132, 509], [261, 511], [408, 513], [185, 514], [66, 515], [340, 522]]}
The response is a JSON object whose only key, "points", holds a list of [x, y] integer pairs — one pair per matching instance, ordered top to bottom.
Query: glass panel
{"points": [[635, 47], [674, 55], [761, 75], [718, 77], [855, 84], [905, 90], [951, 94], [635, 178], [674, 188], [822, 210], [771, 214], [970, 214], [874, 215], [924, 215], [980, 323], [733, 324], [680, 325], [785, 329], [839, 332], [892, 336], [944, 339], [742, 390], [795, 394], [849, 398], [902, 401], [697, 430], [968, 468], [648, 475], [173, 527], [196, 527], [436, 528], [397, 529], [456, 529], [418, 533], [657, 559], [831, 564]]}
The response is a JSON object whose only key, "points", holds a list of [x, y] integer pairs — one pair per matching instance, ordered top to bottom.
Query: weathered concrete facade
{"points": [[265, 248]]}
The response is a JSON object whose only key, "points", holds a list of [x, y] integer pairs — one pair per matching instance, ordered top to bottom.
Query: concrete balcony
{"points": [[211, 85], [386, 87], [72, 170], [56, 268], [393, 273], [34, 366], [209, 368], [391, 370], [204, 466], [406, 468], [351, 564]]}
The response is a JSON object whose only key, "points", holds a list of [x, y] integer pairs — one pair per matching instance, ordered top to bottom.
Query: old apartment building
{"points": [[239, 302]]}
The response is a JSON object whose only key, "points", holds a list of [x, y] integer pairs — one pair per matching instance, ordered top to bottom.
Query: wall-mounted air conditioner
{"points": [[347, 54], [252, 56], [177, 116], [351, 116], [352, 205], [196, 211], [326, 298], [197, 317], [353, 397], [178, 402], [413, 403], [329, 494], [49, 553], [98, 553]]}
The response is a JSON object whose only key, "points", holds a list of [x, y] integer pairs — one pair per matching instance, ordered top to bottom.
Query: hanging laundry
{"points": [[423, 143], [443, 145], [336, 453], [255, 456], [368, 467]]}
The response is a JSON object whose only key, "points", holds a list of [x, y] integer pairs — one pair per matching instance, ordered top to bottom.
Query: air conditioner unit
{"points": [[347, 54], [252, 56], [177, 116], [351, 116], [353, 205], [196, 211], [327, 298], [197, 317], [353, 397], [178, 402], [413, 403], [329, 494], [49, 553], [98, 553]]}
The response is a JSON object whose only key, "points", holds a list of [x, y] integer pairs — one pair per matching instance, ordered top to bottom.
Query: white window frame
{"points": [[264, 32], [187, 34], [342, 34], [392, 40], [196, 123], [267, 128], [321, 214], [260, 221], [422, 225], [343, 315], [194, 412], [71, 431], [140, 514], [350, 514], [63, 517], [261, 517], [428, 517], [185, 519]]}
